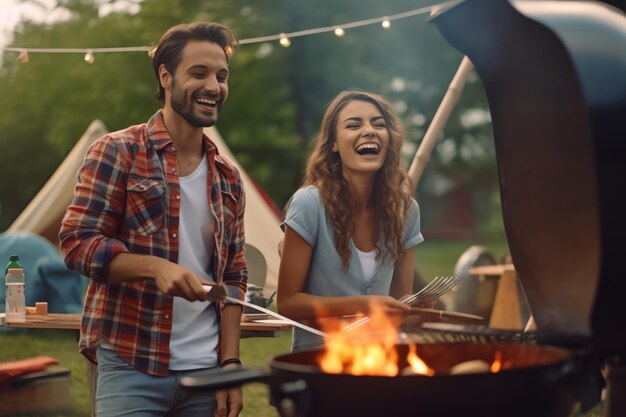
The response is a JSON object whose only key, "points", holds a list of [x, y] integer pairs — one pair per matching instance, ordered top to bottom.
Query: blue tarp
{"points": [[47, 277]]}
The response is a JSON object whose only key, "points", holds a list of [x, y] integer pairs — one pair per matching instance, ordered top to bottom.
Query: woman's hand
{"points": [[389, 305]]}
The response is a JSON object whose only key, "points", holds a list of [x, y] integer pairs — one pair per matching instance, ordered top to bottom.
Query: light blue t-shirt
{"points": [[306, 215]]}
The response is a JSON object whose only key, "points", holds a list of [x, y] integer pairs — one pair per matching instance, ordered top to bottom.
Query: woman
{"points": [[351, 230]]}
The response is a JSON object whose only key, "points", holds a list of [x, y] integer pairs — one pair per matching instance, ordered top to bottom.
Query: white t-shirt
{"points": [[368, 263], [193, 343]]}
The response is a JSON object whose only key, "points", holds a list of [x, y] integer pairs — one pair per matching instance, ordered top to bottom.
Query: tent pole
{"points": [[448, 103]]}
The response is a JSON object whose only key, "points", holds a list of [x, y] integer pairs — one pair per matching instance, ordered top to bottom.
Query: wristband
{"points": [[231, 360]]}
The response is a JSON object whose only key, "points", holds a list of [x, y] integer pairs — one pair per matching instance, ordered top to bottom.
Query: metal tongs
{"points": [[215, 292], [218, 293]]}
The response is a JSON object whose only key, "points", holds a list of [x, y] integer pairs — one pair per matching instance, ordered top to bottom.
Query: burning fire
{"points": [[368, 350], [371, 350], [496, 365], [418, 366]]}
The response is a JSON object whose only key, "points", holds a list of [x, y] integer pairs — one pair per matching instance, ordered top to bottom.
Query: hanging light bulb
{"points": [[386, 24], [340, 32], [284, 40], [23, 57], [89, 57]]}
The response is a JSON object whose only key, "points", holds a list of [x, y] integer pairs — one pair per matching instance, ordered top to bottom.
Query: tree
{"points": [[277, 95]]}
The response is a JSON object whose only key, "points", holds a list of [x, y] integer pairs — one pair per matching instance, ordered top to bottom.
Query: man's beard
{"points": [[184, 107]]}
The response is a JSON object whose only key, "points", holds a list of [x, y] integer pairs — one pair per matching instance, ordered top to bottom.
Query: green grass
{"points": [[432, 258], [61, 344], [258, 352]]}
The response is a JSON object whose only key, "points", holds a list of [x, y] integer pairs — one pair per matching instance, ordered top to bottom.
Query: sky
{"points": [[12, 12]]}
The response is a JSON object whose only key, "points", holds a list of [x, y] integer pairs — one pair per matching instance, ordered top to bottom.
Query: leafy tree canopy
{"points": [[276, 99]]}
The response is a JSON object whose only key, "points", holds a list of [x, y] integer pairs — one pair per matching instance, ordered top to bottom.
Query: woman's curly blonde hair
{"points": [[391, 184]]}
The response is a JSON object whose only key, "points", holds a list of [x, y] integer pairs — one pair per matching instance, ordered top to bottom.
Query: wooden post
{"points": [[439, 121], [506, 305]]}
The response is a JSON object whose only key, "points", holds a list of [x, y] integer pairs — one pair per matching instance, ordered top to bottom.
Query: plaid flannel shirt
{"points": [[127, 199]]}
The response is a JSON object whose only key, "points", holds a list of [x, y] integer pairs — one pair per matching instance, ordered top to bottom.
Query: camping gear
{"points": [[553, 73]]}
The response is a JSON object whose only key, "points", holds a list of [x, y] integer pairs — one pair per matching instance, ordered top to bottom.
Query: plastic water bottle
{"points": [[15, 299]]}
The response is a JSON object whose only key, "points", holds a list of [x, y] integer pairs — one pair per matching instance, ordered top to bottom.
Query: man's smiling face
{"points": [[199, 85]]}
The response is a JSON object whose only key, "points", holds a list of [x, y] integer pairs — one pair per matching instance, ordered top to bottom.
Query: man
{"points": [[157, 213]]}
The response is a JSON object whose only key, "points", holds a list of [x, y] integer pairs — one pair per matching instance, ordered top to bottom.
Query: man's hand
{"points": [[170, 278], [176, 280], [216, 292], [229, 402]]}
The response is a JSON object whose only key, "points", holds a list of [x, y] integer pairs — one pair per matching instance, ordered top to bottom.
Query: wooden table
{"points": [[506, 305], [47, 321], [72, 322]]}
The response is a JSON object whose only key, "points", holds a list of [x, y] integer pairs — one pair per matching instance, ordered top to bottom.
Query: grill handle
{"points": [[220, 378], [291, 398]]}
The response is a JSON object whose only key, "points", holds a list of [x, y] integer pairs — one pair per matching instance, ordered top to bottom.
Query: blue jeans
{"points": [[125, 391]]}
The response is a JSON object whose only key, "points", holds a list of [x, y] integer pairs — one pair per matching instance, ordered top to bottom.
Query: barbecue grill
{"points": [[555, 78]]}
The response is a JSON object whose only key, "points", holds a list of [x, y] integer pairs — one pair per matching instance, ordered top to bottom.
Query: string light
{"points": [[283, 38], [23, 57], [89, 57]]}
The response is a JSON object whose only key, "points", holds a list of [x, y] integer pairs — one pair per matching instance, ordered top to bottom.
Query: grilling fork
{"points": [[435, 289], [431, 292]]}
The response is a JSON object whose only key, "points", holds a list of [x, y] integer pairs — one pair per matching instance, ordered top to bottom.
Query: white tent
{"points": [[44, 213], [261, 224]]}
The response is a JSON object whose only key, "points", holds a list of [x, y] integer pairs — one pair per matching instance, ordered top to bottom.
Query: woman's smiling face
{"points": [[362, 137]]}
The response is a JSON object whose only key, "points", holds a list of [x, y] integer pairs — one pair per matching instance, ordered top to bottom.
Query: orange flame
{"points": [[370, 349], [367, 350], [496, 365], [418, 366]]}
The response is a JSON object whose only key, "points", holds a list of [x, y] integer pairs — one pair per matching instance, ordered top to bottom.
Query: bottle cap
{"points": [[14, 258]]}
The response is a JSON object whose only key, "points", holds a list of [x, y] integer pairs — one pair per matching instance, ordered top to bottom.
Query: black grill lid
{"points": [[555, 78]]}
